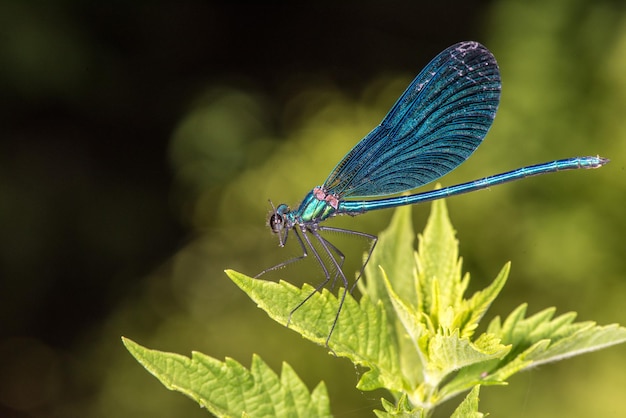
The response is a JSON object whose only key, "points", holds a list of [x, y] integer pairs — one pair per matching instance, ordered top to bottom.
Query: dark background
{"points": [[119, 209]]}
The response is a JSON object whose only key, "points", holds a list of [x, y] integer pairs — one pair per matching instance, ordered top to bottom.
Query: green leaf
{"points": [[395, 251], [439, 284], [474, 308], [438, 325], [414, 328], [362, 333], [541, 339], [442, 353], [228, 389], [469, 407], [402, 409]]}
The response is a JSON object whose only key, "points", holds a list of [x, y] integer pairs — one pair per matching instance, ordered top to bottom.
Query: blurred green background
{"points": [[140, 143]]}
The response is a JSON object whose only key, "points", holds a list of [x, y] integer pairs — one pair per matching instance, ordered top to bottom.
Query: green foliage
{"points": [[413, 331], [228, 389], [469, 407]]}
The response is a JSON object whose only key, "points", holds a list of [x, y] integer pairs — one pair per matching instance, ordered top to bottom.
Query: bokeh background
{"points": [[140, 143]]}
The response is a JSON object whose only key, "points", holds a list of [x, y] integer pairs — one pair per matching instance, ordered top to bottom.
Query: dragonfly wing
{"points": [[435, 125]]}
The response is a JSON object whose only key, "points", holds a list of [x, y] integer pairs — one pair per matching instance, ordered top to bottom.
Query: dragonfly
{"points": [[435, 125]]}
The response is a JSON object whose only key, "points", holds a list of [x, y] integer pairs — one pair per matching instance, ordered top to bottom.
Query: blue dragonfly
{"points": [[435, 125]]}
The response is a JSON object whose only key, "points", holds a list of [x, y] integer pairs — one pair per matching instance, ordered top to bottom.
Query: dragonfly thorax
{"points": [[316, 207]]}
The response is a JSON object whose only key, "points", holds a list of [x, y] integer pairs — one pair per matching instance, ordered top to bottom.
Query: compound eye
{"points": [[277, 222]]}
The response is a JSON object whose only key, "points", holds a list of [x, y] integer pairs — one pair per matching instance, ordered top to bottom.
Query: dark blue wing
{"points": [[434, 126]]}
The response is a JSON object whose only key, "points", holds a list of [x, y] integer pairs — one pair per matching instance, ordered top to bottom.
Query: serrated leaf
{"points": [[394, 251], [439, 283], [480, 301], [407, 314], [438, 325], [362, 333], [541, 338], [591, 338], [418, 339], [535, 340], [448, 353], [227, 389], [469, 407], [402, 409]]}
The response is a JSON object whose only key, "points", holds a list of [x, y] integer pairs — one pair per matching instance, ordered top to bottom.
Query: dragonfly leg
{"points": [[370, 237], [374, 240], [328, 248], [338, 254], [337, 259], [287, 262], [321, 263]]}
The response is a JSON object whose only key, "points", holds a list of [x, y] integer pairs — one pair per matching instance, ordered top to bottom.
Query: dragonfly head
{"points": [[279, 223]]}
